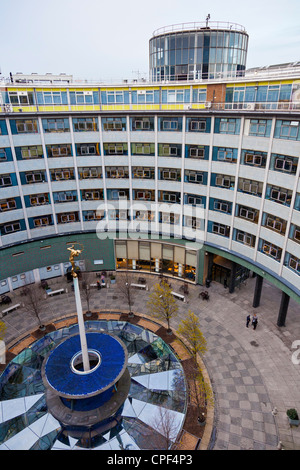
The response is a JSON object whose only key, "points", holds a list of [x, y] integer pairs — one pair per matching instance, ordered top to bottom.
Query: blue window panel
{"points": [[285, 92], [250, 94], [261, 94], [273, 94], [3, 127]]}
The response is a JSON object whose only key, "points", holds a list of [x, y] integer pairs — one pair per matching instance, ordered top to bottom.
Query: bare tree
{"points": [[124, 281], [86, 291], [33, 300], [165, 426]]}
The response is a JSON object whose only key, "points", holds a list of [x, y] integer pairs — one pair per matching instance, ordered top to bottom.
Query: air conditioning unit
{"points": [[208, 104], [250, 106], [8, 108]]}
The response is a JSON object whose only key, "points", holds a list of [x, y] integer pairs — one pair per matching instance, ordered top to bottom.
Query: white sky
{"points": [[101, 39]]}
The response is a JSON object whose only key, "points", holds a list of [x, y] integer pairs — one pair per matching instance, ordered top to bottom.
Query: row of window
{"points": [[234, 94], [284, 129], [281, 163]]}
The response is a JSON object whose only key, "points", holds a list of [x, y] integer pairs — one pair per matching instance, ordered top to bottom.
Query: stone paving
{"points": [[251, 371]]}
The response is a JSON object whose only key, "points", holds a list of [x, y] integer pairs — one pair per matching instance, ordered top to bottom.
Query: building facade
{"points": [[197, 179]]}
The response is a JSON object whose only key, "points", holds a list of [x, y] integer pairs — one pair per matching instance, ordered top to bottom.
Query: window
{"points": [[85, 124], [114, 124], [142, 124], [56, 125], [170, 125], [197, 125], [26, 126], [227, 126], [260, 127], [287, 130], [87, 149], [115, 149], [142, 149], [59, 150], [168, 150], [32, 152], [196, 152], [226, 155], [3, 156], [255, 160], [285, 165], [141, 172], [87, 173], [65, 174], [173, 175], [34, 177], [194, 177], [223, 181], [92, 195], [143, 195], [278, 195], [65, 196], [169, 197], [39, 200], [193, 200], [7, 205], [221, 206], [249, 214], [67, 218], [173, 219], [42, 221], [193, 222], [275, 223], [12, 227], [221, 229], [296, 235], [245, 238], [271, 250], [294, 263]]}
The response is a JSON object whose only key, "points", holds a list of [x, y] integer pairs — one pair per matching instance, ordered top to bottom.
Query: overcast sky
{"points": [[101, 39]]}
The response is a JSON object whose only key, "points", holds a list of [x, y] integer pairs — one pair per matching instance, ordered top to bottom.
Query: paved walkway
{"points": [[252, 372]]}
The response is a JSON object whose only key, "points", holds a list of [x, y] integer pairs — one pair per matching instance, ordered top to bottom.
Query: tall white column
{"points": [[84, 350]]}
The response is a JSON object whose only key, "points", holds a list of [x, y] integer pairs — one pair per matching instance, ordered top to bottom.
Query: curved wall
{"points": [[66, 174]]}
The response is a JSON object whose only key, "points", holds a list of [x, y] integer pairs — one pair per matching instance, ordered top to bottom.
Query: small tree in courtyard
{"points": [[162, 304], [189, 329]]}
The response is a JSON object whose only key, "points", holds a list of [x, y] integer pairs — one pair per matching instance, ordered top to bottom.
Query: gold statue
{"points": [[71, 259]]}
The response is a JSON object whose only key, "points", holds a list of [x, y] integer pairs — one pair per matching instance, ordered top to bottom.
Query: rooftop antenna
{"points": [[207, 19]]}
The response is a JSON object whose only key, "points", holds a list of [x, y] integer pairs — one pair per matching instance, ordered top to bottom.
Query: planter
{"points": [[293, 417], [294, 422]]}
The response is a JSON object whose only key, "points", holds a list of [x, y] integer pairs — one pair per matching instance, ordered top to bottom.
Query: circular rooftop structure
{"points": [[197, 51]]}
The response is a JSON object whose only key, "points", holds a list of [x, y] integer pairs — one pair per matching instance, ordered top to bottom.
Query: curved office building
{"points": [[192, 51], [198, 180]]}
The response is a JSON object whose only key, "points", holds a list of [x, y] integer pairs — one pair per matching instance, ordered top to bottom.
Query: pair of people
{"points": [[254, 321]]}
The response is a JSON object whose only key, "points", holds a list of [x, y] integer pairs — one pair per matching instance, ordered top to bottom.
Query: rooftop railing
{"points": [[181, 27]]}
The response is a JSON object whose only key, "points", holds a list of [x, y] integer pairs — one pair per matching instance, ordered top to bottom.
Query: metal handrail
{"points": [[199, 25]]}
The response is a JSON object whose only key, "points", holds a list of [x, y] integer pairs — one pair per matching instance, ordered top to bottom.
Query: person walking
{"points": [[248, 320], [254, 321]]}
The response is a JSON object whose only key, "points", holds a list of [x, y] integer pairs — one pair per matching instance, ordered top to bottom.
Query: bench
{"points": [[101, 284], [139, 286], [54, 292], [179, 296], [9, 309]]}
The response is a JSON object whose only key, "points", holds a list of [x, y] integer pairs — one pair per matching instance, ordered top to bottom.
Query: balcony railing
{"points": [[178, 106]]}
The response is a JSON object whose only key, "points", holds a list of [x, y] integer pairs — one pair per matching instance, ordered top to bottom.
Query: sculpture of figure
{"points": [[71, 259]]}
